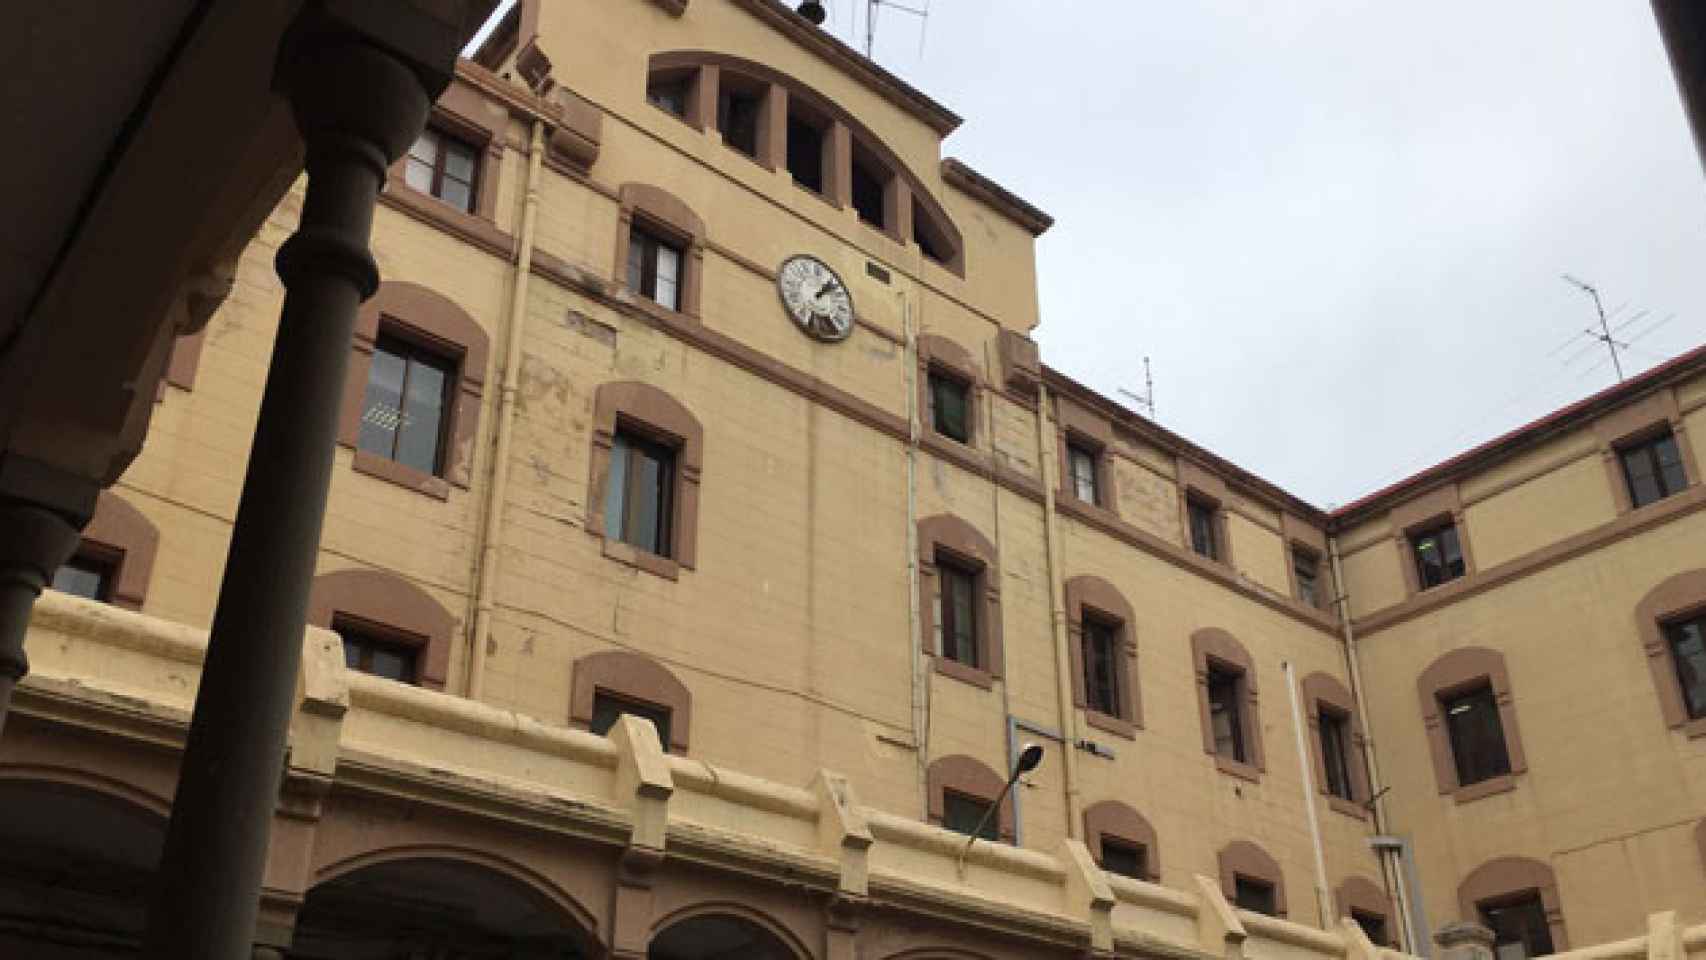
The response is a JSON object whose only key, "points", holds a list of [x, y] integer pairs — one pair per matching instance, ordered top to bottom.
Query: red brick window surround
{"points": [[451, 171], [653, 223], [421, 320], [942, 363], [631, 408], [1084, 441], [1647, 451], [948, 539], [115, 558], [379, 605], [1097, 614], [1670, 625], [1216, 654], [636, 679], [1463, 680], [1335, 725], [969, 778], [1114, 821], [1243, 866], [1504, 882], [1365, 902]]}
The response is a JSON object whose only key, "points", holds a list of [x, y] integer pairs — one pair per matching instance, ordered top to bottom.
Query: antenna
{"points": [[871, 7], [1604, 334], [1147, 400]]}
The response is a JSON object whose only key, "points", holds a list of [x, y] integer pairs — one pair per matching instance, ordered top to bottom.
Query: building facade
{"points": [[706, 537]]}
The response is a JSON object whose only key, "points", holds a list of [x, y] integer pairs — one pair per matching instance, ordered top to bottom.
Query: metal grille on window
{"points": [[403, 413], [1477, 735]]}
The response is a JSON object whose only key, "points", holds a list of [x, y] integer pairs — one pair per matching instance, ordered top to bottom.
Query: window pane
{"points": [[668, 95], [425, 148], [459, 161], [418, 175], [457, 194], [636, 261], [668, 277], [948, 403], [382, 408], [422, 424], [1669, 458], [1638, 466], [1083, 469], [616, 488], [645, 524], [1202, 529], [1439, 556], [1306, 567], [83, 577], [959, 614], [1688, 649], [376, 655], [389, 664], [1101, 687], [1225, 714], [1477, 736], [1335, 756], [961, 814], [1125, 859], [1254, 895], [1373, 926], [1519, 927]]}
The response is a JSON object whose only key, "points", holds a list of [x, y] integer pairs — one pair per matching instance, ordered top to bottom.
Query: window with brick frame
{"points": [[443, 166], [654, 266], [950, 406], [646, 463], [1652, 468], [1081, 469], [1204, 527], [1438, 555], [114, 559], [1306, 573], [959, 596], [956, 610], [1670, 625], [377, 650], [1102, 652], [607, 684], [1227, 700], [607, 707], [1469, 714], [960, 790], [1122, 841], [1251, 879], [1517, 898]]}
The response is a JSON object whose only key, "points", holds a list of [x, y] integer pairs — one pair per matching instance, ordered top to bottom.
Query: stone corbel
{"points": [[579, 132], [1021, 367], [322, 690], [642, 779], [843, 831], [1087, 888], [1219, 930]]}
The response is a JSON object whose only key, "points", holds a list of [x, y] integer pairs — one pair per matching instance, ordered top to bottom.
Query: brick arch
{"points": [[419, 313], [652, 411], [120, 534], [964, 542], [1092, 594], [1680, 596], [385, 600], [1212, 644], [1452, 672], [635, 677], [1323, 688], [969, 776], [1120, 821], [1241, 858], [1509, 875], [1364, 896], [742, 912]]}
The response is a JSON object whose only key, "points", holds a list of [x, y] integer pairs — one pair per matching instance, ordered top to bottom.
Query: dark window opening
{"points": [[669, 92], [739, 110], [806, 138], [442, 166], [869, 186], [931, 239], [654, 268], [950, 406], [403, 415], [1653, 468], [1081, 471], [639, 499], [1204, 539], [1439, 556], [1306, 566], [89, 574], [957, 610], [370, 650], [1688, 651], [1101, 670], [606, 707], [1226, 712], [1477, 735], [1335, 752], [962, 814], [1126, 859], [1257, 896], [1373, 926], [1519, 926]]}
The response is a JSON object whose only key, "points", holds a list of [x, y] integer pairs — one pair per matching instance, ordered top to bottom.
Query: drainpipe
{"points": [[486, 582], [1057, 614], [915, 629], [1323, 894], [1416, 941]]}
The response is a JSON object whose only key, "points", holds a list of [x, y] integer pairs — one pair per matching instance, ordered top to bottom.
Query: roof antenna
{"points": [[871, 7], [1604, 334], [1147, 400]]}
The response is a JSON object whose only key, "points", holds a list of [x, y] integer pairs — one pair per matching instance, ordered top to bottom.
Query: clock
{"points": [[814, 296]]}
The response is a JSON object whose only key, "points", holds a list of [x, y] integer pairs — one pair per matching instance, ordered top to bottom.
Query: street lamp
{"points": [[1030, 757]]}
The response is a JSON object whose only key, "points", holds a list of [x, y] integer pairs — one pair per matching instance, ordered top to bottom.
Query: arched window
{"points": [[660, 248], [949, 381], [643, 495], [115, 557], [959, 587], [1670, 622], [390, 627], [1103, 650], [608, 684], [1226, 699], [1470, 716], [1336, 744], [962, 790], [1122, 841], [1251, 879], [1517, 898], [1363, 901]]}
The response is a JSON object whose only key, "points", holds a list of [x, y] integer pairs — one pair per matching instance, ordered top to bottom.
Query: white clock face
{"points": [[816, 298]]}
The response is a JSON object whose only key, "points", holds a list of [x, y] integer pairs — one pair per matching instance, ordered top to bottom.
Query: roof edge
{"points": [[1009, 204]]}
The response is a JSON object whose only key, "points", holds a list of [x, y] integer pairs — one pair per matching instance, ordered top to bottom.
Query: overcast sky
{"points": [[1336, 226]]}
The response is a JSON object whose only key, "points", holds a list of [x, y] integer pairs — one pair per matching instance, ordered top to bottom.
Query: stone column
{"points": [[358, 107], [34, 541], [1464, 941]]}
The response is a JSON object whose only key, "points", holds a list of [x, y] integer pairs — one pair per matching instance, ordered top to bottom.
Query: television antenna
{"points": [[871, 8], [1604, 334], [1145, 401]]}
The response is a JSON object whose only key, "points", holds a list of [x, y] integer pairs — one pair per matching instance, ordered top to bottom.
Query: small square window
{"points": [[669, 92], [442, 166], [654, 267], [950, 406], [403, 415], [1653, 469], [1081, 470], [639, 498], [1204, 539], [1439, 555], [1306, 566], [88, 575], [956, 611], [371, 651], [1688, 651], [1101, 668], [607, 707], [1226, 712], [1477, 734], [1335, 752], [962, 814], [1126, 859], [1256, 896], [1373, 926], [1519, 926]]}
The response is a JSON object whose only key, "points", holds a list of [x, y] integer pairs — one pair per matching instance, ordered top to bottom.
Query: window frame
{"points": [[466, 114], [445, 141], [663, 216], [652, 243], [413, 349], [939, 356], [937, 377], [632, 406], [1635, 423], [1077, 425], [635, 441], [1646, 445], [1080, 454], [1422, 515], [1437, 533], [944, 535], [121, 537], [1206, 541], [1302, 556], [98, 559], [954, 572], [1089, 597], [1679, 598], [382, 603], [364, 633], [1212, 649], [1455, 671], [636, 678], [1325, 694], [644, 709], [1464, 737], [969, 778], [1112, 819], [1243, 860], [1506, 878], [1360, 895]]}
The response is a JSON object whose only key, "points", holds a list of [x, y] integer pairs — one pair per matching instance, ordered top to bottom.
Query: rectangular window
{"points": [[669, 93], [738, 112], [805, 150], [442, 166], [870, 183], [929, 237], [654, 268], [950, 406], [403, 414], [1653, 468], [1081, 469], [639, 498], [1202, 522], [1439, 556], [1306, 566], [86, 575], [956, 611], [369, 651], [1688, 651], [1101, 672], [606, 707], [1226, 712], [1477, 735], [1335, 751], [962, 814], [1125, 859], [1257, 896], [1373, 926], [1519, 927]]}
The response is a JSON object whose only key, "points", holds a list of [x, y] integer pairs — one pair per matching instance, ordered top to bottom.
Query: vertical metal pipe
{"points": [[358, 108], [1057, 616], [915, 625], [1323, 892]]}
